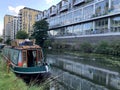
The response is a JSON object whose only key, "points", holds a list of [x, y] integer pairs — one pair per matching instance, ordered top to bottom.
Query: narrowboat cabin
{"points": [[1, 46], [25, 58]]}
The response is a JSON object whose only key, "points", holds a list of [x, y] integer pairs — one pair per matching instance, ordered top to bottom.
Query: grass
{"points": [[8, 81]]}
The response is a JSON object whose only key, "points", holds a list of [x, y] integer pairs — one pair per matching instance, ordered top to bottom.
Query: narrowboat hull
{"points": [[29, 70], [28, 74]]}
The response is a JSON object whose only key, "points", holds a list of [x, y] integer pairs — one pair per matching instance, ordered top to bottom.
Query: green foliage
{"points": [[41, 25], [40, 32], [21, 35], [1, 39], [8, 41], [47, 43], [86, 47], [102, 48], [115, 49], [9, 80]]}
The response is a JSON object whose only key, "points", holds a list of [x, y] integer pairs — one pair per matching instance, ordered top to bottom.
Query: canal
{"points": [[80, 73]]}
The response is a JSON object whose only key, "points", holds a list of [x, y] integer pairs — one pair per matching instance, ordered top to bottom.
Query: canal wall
{"points": [[92, 39], [98, 75], [68, 81]]}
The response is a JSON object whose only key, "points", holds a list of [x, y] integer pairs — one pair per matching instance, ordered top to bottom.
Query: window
{"points": [[116, 5], [101, 8], [88, 12], [77, 15], [115, 24], [101, 26], [88, 28], [77, 30], [69, 31], [24, 56]]}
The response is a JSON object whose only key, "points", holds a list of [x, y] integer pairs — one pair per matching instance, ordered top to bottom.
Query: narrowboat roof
{"points": [[27, 47]]}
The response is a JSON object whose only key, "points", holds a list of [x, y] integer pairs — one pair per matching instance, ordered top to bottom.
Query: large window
{"points": [[116, 5], [101, 8], [88, 12], [77, 15], [69, 18], [55, 21], [115, 24], [101, 26], [88, 28], [77, 30], [69, 31], [61, 32], [53, 33]]}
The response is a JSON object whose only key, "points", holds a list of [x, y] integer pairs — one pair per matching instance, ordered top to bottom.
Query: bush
{"points": [[47, 43], [86, 47], [102, 48], [115, 48]]}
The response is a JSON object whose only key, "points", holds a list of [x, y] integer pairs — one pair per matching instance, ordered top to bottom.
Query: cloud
{"points": [[52, 2], [15, 10]]}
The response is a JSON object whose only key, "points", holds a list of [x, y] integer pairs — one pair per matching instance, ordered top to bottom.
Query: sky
{"points": [[12, 7]]}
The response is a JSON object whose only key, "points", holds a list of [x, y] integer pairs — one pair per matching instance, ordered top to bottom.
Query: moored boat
{"points": [[1, 46], [25, 58]]}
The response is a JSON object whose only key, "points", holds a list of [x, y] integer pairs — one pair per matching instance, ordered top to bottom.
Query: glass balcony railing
{"points": [[78, 2], [65, 7], [53, 12]]}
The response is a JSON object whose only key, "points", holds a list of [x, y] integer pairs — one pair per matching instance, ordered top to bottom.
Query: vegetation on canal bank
{"points": [[103, 47], [105, 55], [97, 60], [8, 81]]}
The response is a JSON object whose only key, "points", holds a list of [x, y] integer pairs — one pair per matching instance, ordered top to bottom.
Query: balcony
{"points": [[77, 2], [64, 8], [53, 13], [45, 16], [54, 26]]}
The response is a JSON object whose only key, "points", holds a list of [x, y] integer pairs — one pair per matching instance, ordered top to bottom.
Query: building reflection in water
{"points": [[78, 76]]}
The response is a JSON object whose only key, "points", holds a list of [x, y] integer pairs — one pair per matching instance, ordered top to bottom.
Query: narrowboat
{"points": [[1, 46], [25, 59]]}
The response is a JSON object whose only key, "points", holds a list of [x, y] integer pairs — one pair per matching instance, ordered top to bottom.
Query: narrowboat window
{"points": [[39, 54], [14, 55], [24, 57]]}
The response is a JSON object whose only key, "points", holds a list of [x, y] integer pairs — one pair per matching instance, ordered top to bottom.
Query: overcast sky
{"points": [[12, 7]]}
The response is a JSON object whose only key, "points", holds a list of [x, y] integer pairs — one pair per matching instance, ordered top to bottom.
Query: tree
{"points": [[40, 31], [21, 35], [1, 39], [8, 41]]}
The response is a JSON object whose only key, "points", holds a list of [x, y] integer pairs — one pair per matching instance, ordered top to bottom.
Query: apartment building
{"points": [[27, 17], [82, 18], [7, 26], [14, 30]]}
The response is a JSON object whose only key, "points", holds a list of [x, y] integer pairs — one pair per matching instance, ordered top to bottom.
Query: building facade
{"points": [[27, 18], [81, 18], [7, 26], [14, 28]]}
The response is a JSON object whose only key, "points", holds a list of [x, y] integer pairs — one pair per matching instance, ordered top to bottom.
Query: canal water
{"points": [[71, 73]]}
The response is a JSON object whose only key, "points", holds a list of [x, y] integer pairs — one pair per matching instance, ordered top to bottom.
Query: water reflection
{"points": [[78, 76], [68, 81]]}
